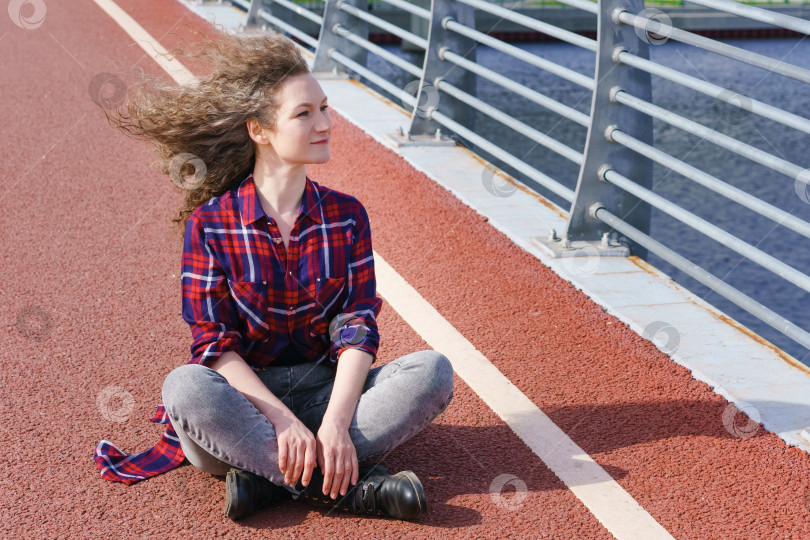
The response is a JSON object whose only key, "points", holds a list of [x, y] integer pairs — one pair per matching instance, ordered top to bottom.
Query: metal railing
{"points": [[613, 190]]}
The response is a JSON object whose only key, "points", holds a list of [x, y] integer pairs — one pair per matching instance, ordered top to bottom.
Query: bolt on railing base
{"points": [[400, 138], [563, 247]]}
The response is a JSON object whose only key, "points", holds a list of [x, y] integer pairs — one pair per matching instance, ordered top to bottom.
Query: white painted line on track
{"points": [[155, 50], [604, 497], [620, 514]]}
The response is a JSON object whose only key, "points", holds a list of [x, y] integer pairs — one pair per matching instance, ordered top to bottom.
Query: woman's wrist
{"points": [[340, 420]]}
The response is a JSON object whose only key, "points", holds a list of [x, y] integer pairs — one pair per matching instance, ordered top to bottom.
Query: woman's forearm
{"points": [[352, 370], [239, 375]]}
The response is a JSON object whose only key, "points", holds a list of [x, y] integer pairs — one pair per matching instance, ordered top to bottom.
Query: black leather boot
{"points": [[246, 493], [399, 496]]}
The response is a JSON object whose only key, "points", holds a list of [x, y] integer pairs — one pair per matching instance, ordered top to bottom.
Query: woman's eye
{"points": [[324, 107], [303, 113]]}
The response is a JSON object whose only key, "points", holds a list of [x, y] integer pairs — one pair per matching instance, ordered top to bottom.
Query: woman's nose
{"points": [[324, 122]]}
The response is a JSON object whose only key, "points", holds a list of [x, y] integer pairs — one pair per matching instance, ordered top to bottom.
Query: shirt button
{"points": [[277, 240], [264, 283]]}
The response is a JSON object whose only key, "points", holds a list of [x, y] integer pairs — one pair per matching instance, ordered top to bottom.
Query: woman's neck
{"points": [[281, 190]]}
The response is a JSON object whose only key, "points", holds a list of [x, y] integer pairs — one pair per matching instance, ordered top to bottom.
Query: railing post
{"points": [[253, 12], [336, 25], [435, 68], [600, 152]]}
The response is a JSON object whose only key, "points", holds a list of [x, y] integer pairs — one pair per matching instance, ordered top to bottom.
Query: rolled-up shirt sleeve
{"points": [[207, 304], [358, 328]]}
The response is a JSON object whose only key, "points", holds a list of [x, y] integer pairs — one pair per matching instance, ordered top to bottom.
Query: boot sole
{"points": [[229, 483]]}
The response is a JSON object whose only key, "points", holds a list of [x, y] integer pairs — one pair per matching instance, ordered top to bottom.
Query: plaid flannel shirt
{"points": [[243, 291]]}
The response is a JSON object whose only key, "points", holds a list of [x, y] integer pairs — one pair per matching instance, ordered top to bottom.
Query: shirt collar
{"points": [[251, 209]]}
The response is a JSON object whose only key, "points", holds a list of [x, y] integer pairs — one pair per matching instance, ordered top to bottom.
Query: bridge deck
{"points": [[91, 296]]}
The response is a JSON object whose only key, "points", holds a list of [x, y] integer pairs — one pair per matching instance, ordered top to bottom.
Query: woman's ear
{"points": [[256, 131]]}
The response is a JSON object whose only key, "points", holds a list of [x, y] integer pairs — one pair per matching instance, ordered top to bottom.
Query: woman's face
{"points": [[302, 121]]}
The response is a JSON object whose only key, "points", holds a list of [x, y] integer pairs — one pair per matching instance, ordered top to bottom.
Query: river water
{"points": [[775, 293]]}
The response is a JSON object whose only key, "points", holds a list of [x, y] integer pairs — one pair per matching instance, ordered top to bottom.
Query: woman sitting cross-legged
{"points": [[279, 291]]}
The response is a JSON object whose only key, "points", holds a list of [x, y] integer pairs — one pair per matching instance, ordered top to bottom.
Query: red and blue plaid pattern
{"points": [[243, 291]]}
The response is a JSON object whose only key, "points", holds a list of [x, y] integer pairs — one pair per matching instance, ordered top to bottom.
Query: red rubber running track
{"points": [[90, 298]]}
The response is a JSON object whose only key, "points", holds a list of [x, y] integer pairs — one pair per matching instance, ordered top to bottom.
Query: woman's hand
{"points": [[296, 449], [337, 459]]}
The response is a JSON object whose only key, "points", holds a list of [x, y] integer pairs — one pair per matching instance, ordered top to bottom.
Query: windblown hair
{"points": [[200, 128]]}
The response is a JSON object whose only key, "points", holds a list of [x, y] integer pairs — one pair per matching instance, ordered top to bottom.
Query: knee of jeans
{"points": [[439, 371], [182, 384]]}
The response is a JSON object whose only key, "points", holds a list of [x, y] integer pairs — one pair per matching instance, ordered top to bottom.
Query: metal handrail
{"points": [[534, 24], [383, 25], [735, 53], [556, 69], [718, 92], [532, 95], [619, 124], [729, 143], [715, 184], [791, 330]]}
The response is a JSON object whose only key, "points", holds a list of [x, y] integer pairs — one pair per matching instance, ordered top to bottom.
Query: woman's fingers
{"points": [[296, 453], [282, 456], [292, 458], [310, 461], [355, 468], [328, 470], [348, 472], [337, 479]]}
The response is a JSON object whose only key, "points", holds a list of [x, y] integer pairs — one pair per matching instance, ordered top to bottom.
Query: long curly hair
{"points": [[199, 130]]}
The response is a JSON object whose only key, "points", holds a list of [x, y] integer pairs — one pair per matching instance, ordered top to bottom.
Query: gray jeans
{"points": [[219, 428]]}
